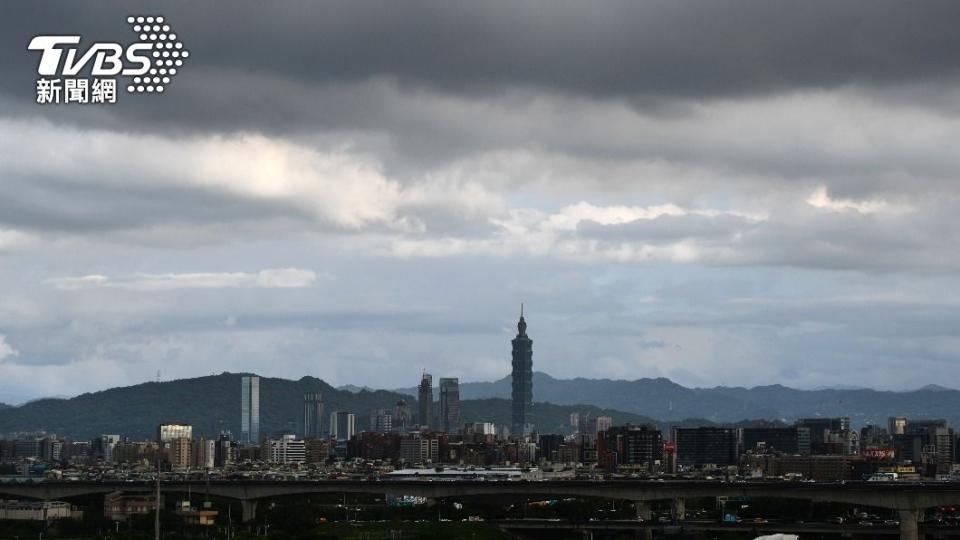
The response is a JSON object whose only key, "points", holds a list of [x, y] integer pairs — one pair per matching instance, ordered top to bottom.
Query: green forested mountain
{"points": [[212, 404]]}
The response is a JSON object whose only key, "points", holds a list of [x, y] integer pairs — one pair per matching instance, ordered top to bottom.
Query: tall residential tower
{"points": [[522, 380], [425, 401], [449, 404], [250, 410], [313, 415]]}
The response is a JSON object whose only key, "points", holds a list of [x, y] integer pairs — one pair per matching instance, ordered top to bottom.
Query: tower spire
{"points": [[521, 310]]}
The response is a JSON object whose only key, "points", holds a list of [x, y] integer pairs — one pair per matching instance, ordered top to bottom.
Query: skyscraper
{"points": [[522, 379], [425, 400], [449, 404], [250, 410], [312, 415]]}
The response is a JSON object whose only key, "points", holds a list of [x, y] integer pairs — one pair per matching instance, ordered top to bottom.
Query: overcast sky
{"points": [[721, 193]]}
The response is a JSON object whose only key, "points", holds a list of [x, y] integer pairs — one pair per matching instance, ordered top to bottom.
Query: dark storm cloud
{"points": [[611, 49]]}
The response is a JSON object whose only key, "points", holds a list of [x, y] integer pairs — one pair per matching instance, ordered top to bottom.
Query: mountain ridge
{"points": [[668, 401], [212, 404]]}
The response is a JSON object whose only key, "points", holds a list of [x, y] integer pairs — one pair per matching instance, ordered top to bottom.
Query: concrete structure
{"points": [[522, 380], [250, 410], [471, 473], [909, 499]]}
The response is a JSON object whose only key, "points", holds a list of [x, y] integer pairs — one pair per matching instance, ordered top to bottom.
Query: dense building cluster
{"points": [[824, 449]]}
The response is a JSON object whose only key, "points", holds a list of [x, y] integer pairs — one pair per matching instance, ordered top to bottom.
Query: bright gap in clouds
{"points": [[273, 278]]}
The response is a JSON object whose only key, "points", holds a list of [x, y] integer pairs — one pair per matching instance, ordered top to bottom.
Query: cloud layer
{"points": [[736, 194]]}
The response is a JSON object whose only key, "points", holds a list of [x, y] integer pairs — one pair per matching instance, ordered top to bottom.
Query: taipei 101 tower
{"points": [[522, 380]]}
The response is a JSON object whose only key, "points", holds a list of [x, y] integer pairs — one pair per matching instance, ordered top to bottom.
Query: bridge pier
{"points": [[249, 507], [679, 508], [643, 510], [645, 514], [909, 524]]}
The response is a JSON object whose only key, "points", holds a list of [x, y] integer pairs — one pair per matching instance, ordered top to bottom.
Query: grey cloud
{"points": [[615, 48], [736, 108], [104, 203], [801, 236]]}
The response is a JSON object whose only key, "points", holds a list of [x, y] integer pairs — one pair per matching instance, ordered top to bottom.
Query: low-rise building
{"points": [[120, 506], [34, 510]]}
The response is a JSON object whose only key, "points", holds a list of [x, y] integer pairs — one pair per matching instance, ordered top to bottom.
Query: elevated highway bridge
{"points": [[908, 498]]}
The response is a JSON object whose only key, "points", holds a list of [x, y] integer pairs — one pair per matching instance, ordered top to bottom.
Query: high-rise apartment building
{"points": [[522, 378], [425, 401], [449, 404], [250, 410], [313, 415], [401, 417], [381, 421], [342, 425], [103, 446], [637, 446], [700, 446], [286, 449], [417, 449], [178, 453], [224, 453], [203, 454]]}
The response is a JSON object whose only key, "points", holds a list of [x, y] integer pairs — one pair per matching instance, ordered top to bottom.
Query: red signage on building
{"points": [[878, 453]]}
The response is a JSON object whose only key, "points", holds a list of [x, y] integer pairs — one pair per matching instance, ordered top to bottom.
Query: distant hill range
{"points": [[669, 402], [212, 404]]}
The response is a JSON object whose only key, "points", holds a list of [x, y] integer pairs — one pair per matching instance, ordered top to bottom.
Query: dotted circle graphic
{"points": [[167, 51]]}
